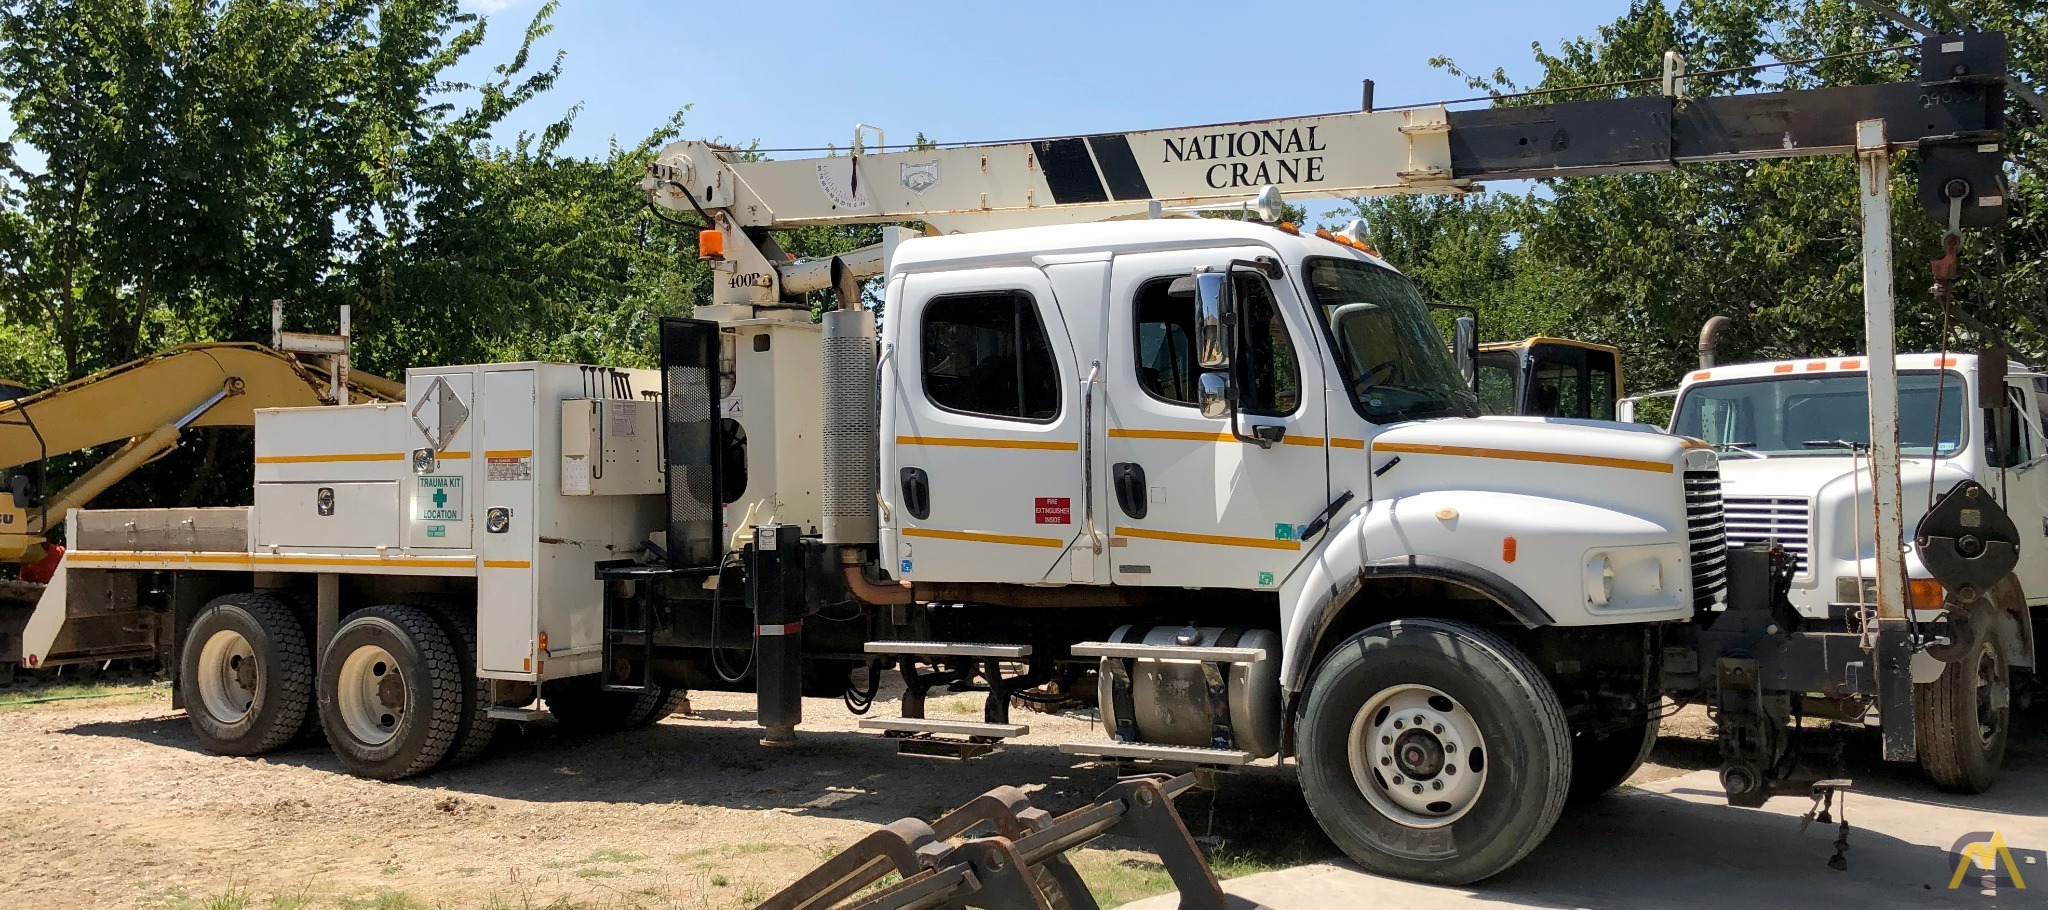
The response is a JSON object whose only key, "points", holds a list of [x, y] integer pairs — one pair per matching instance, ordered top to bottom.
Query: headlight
{"points": [[1921, 593]]}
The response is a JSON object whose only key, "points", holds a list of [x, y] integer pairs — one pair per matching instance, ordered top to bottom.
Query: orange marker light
{"points": [[710, 245], [1852, 364], [1816, 366], [1782, 368], [1701, 375], [1507, 549], [1925, 593], [543, 641]]}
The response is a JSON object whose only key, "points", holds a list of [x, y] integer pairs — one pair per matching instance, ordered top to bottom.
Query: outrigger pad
{"points": [[1967, 541], [1019, 862]]}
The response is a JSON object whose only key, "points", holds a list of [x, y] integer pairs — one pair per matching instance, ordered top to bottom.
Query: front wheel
{"points": [[1962, 719], [1433, 750]]}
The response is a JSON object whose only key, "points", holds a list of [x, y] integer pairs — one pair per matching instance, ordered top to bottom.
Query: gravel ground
{"points": [[111, 804]]}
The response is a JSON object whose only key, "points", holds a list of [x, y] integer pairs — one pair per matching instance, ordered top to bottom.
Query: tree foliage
{"points": [[1641, 260]]}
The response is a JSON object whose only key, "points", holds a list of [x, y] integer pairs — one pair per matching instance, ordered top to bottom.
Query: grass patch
{"points": [[68, 693], [383, 900]]}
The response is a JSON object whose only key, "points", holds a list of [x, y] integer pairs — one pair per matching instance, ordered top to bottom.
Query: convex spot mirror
{"points": [[1213, 389]]}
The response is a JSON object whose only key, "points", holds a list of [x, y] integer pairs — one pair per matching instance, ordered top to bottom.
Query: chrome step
{"points": [[948, 649], [1169, 652], [946, 727], [1157, 752]]}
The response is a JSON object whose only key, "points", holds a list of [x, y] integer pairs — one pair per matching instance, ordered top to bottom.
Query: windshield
{"points": [[1395, 363], [1773, 416]]}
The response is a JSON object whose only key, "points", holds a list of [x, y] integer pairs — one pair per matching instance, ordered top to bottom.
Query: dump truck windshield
{"points": [[1395, 363], [1811, 415]]}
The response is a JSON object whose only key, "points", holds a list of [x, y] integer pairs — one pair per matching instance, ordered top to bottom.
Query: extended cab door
{"points": [[981, 429], [1191, 504]]}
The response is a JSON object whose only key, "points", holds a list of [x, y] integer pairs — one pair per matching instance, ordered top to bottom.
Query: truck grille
{"points": [[1785, 519], [1708, 537]]}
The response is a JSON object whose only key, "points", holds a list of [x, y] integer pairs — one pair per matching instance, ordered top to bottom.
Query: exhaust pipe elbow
{"points": [[1710, 338]]}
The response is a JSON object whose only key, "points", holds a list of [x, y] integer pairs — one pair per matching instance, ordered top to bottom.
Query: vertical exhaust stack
{"points": [[1710, 339], [852, 428]]}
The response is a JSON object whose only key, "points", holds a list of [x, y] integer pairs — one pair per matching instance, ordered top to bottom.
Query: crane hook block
{"points": [[1967, 541]]}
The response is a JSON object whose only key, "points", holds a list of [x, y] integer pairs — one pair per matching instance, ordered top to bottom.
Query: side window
{"points": [[986, 354], [1268, 378], [2007, 438]]}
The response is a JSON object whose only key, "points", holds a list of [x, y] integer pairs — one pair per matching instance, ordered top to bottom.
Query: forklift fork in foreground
{"points": [[1021, 866]]}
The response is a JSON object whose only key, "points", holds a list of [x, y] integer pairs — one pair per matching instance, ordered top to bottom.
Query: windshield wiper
{"points": [[1744, 448]]}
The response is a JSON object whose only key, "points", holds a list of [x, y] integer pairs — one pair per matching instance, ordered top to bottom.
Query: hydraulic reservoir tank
{"points": [[1171, 697]]}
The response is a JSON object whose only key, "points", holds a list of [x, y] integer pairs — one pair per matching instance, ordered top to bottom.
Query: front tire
{"points": [[247, 675], [391, 692], [580, 703], [1963, 719], [1601, 764], [1460, 795]]}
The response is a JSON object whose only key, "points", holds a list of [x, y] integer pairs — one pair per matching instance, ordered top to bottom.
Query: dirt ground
{"points": [[109, 803]]}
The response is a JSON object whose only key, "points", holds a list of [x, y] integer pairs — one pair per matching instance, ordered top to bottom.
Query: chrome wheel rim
{"points": [[230, 682], [371, 694], [1994, 696], [1418, 756]]}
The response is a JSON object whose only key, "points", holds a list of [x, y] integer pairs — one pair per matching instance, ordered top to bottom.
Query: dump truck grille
{"points": [[1785, 519], [1707, 535]]}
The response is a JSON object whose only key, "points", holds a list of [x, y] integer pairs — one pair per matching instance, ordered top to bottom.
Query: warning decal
{"points": [[513, 468], [1053, 510]]}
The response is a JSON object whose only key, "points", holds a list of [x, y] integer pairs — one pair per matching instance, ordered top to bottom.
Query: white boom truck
{"points": [[1794, 438], [1226, 474]]}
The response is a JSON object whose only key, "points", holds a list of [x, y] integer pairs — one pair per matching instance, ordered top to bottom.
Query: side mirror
{"points": [[1213, 315], [1465, 347], [1213, 390], [23, 489]]}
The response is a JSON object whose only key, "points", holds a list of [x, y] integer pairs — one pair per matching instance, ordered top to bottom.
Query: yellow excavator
{"points": [[145, 405]]}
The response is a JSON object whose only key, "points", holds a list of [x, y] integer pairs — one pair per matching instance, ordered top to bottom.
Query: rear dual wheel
{"points": [[246, 674], [392, 692], [1433, 750]]}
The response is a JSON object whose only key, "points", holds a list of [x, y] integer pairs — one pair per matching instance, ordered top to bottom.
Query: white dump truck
{"points": [[1795, 470], [1222, 479]]}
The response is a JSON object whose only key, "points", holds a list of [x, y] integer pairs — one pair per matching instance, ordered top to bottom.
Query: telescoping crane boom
{"points": [[1953, 117]]}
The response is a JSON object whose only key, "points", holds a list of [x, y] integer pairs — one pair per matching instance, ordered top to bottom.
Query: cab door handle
{"points": [[1129, 480], [917, 493]]}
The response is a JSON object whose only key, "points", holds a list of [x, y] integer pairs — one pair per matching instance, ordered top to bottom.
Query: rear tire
{"points": [[247, 675], [391, 692], [580, 703], [1963, 719], [477, 727], [1363, 755], [1601, 765]]}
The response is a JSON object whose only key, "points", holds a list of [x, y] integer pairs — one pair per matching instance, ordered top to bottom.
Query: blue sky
{"points": [[801, 73]]}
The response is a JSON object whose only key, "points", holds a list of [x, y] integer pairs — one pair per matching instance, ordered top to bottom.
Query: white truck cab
{"points": [[1792, 470]]}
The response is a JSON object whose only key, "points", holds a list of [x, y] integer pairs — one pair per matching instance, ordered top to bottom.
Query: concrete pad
{"points": [[1676, 844]]}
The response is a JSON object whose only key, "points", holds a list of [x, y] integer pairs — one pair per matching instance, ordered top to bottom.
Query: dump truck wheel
{"points": [[247, 675], [391, 692], [580, 703], [1963, 719], [477, 727], [1434, 751], [1601, 764]]}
